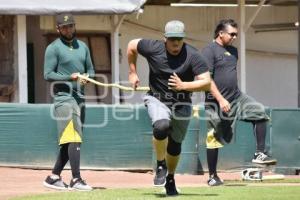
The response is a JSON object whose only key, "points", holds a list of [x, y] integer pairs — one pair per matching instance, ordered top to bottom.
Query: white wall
{"points": [[127, 33], [268, 52], [270, 56], [22, 59], [272, 78], [15, 97]]}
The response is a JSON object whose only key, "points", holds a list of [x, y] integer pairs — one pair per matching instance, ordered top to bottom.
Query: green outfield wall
{"points": [[120, 137]]}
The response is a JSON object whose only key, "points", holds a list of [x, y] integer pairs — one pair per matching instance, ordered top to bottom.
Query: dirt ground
{"points": [[20, 182]]}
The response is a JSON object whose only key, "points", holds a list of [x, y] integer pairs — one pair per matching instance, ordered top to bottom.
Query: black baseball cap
{"points": [[64, 19]]}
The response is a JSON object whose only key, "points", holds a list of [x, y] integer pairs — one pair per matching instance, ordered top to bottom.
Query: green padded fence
{"points": [[26, 135], [114, 136], [117, 137], [120, 137], [285, 139], [189, 160]]}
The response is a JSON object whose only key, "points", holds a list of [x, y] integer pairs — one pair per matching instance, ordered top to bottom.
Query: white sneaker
{"points": [[261, 158], [56, 183], [79, 185]]}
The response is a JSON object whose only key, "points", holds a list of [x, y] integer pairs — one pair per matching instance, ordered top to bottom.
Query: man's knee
{"points": [[161, 129], [174, 148]]}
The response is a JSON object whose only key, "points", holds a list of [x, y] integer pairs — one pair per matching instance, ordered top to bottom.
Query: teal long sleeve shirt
{"points": [[63, 59]]}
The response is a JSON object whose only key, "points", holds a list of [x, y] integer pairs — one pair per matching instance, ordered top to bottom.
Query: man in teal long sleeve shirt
{"points": [[65, 58]]}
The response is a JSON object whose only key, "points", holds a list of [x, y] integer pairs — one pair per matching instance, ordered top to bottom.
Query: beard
{"points": [[68, 37]]}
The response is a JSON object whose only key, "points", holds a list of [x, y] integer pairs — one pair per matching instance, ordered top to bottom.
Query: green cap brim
{"points": [[64, 24], [168, 35]]}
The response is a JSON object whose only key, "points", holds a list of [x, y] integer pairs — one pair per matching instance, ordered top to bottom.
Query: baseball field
{"points": [[26, 184], [205, 193]]}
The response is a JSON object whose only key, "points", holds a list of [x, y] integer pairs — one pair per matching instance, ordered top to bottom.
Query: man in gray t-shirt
{"points": [[173, 66]]}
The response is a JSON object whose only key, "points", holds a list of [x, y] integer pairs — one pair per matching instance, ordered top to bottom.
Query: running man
{"points": [[176, 70]]}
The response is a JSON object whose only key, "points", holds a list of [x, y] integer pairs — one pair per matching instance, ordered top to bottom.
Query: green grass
{"points": [[286, 180], [229, 192]]}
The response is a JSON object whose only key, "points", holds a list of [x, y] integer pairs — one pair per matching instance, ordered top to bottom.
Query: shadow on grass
{"points": [[235, 184], [99, 188], [181, 194]]}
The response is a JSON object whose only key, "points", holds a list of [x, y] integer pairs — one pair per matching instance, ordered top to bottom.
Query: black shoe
{"points": [[262, 158], [160, 176], [214, 181], [57, 183], [170, 187]]}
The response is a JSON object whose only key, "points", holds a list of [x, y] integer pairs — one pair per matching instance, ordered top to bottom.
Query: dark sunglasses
{"points": [[232, 34], [175, 38]]}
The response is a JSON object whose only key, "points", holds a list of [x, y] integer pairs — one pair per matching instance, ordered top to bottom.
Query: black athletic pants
{"points": [[68, 152]]}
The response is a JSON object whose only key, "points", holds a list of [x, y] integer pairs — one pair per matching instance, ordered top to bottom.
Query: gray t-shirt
{"points": [[222, 63], [187, 64]]}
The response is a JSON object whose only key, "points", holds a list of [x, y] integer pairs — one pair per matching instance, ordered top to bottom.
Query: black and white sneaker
{"points": [[262, 158], [160, 176], [214, 181], [55, 183], [80, 185], [170, 187]]}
